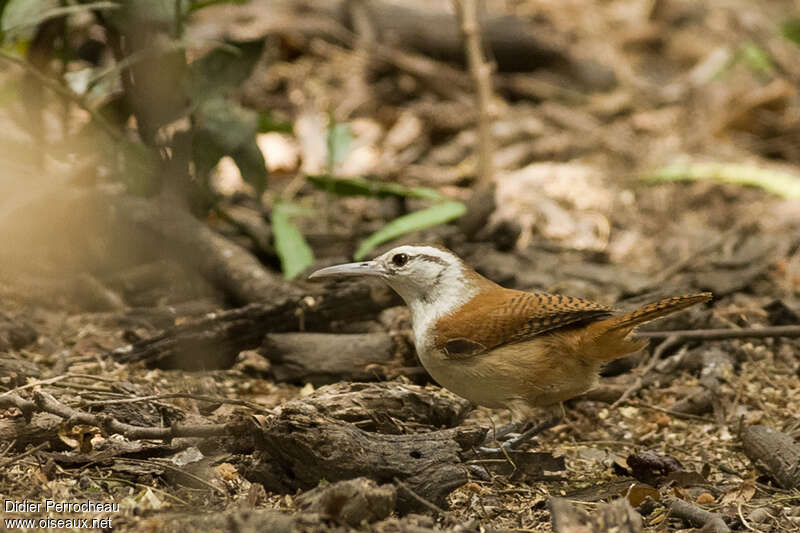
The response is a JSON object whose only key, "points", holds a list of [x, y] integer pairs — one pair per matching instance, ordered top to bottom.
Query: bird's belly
{"points": [[535, 373]]}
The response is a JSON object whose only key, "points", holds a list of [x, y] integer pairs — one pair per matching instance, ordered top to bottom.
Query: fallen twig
{"points": [[481, 71], [481, 203], [721, 334], [671, 342], [35, 384], [198, 397], [12, 399], [46, 402], [11, 460], [696, 516]]}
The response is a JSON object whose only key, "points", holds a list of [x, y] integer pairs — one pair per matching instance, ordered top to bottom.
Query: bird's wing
{"points": [[496, 318]]}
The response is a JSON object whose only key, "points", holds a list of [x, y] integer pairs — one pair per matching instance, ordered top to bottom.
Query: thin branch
{"points": [[481, 71], [721, 334], [657, 353], [32, 384], [198, 397], [12, 399], [46, 402], [11, 460], [696, 516]]}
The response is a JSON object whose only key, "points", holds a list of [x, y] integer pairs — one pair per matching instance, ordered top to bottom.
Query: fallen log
{"points": [[516, 44], [215, 340], [322, 358], [388, 407], [43, 427], [305, 448], [776, 451]]}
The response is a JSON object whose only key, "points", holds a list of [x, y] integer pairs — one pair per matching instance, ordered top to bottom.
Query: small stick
{"points": [[481, 71], [481, 204], [721, 334], [670, 342], [32, 384], [198, 397], [12, 399], [46, 402], [11, 460], [696, 516]]}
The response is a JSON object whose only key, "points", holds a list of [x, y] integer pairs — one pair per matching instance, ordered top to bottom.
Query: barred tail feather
{"points": [[656, 310], [610, 337]]}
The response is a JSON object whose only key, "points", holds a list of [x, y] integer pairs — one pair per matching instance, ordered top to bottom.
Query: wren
{"points": [[500, 347]]}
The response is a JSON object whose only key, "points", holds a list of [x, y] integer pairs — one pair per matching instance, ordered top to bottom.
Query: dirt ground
{"points": [[649, 85]]}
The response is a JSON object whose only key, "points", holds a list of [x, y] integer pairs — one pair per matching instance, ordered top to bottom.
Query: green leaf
{"points": [[19, 17], [791, 30], [756, 58], [223, 69], [267, 122], [223, 127], [339, 141], [776, 182], [363, 187], [432, 216], [293, 250]]}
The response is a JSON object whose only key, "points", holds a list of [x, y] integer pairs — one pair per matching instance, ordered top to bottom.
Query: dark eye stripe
{"points": [[433, 259]]}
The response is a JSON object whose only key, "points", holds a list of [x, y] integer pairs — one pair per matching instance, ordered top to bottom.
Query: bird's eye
{"points": [[399, 259]]}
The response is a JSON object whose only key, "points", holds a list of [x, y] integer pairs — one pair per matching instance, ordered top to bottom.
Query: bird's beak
{"points": [[364, 268]]}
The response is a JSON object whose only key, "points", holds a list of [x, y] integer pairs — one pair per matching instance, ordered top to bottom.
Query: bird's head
{"points": [[420, 274]]}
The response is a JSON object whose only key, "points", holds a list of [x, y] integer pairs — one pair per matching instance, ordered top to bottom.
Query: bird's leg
{"points": [[548, 418], [552, 418], [497, 434]]}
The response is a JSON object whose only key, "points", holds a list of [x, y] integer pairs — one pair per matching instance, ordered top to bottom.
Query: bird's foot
{"points": [[552, 419], [495, 435], [516, 439]]}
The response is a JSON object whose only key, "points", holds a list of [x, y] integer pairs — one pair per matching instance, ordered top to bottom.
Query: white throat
{"points": [[450, 292]]}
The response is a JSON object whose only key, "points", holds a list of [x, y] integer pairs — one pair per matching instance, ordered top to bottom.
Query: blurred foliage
{"points": [[790, 29], [756, 58], [165, 122], [267, 122], [339, 141], [777, 182], [364, 187], [426, 218], [293, 250]]}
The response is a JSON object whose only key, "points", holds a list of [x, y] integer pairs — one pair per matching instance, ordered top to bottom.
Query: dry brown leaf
{"points": [[226, 472], [639, 492], [740, 494]]}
